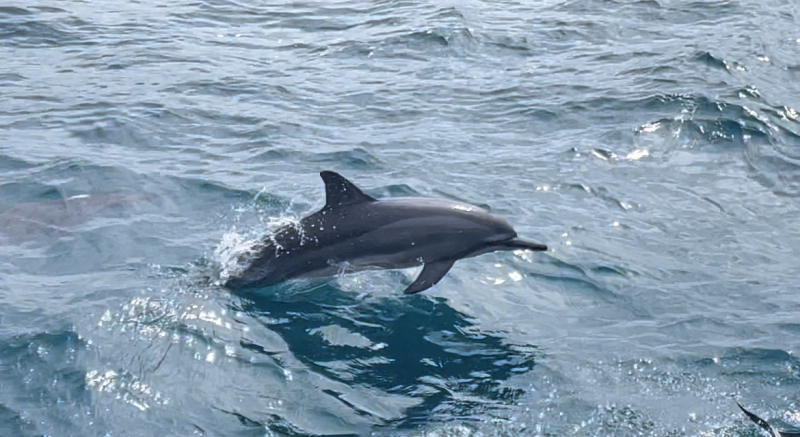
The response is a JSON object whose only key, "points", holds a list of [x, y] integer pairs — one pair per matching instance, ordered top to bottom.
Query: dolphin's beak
{"points": [[518, 243]]}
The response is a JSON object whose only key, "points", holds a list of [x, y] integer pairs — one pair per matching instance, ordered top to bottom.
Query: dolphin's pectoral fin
{"points": [[431, 274]]}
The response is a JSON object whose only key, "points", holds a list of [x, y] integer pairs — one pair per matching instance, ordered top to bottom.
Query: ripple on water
{"points": [[28, 28], [753, 134], [354, 158], [399, 348], [324, 355], [43, 378], [12, 423]]}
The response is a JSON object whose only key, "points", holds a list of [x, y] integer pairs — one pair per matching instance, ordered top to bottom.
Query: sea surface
{"points": [[654, 145]]}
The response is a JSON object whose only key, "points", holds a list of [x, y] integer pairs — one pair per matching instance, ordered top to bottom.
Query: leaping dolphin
{"points": [[355, 231]]}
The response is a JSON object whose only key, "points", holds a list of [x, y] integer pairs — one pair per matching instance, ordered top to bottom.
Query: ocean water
{"points": [[653, 145]]}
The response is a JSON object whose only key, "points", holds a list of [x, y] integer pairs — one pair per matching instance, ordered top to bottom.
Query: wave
{"points": [[765, 136]]}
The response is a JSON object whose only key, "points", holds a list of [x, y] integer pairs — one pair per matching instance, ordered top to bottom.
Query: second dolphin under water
{"points": [[354, 231]]}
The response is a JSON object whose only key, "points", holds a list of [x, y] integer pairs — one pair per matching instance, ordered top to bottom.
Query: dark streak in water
{"points": [[427, 350], [763, 424]]}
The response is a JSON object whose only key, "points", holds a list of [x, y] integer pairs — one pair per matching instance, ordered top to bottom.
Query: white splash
{"points": [[637, 154], [461, 207], [235, 250], [232, 252], [125, 387]]}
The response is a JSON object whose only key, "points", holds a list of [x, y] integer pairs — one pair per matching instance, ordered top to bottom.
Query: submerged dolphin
{"points": [[53, 218], [357, 232]]}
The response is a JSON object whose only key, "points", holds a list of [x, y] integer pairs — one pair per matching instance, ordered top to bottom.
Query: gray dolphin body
{"points": [[54, 218], [357, 232]]}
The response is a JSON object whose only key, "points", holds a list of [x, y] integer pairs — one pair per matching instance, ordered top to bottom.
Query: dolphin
{"points": [[53, 218], [355, 231], [763, 424]]}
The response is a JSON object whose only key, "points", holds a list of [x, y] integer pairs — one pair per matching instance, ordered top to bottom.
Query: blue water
{"points": [[654, 145]]}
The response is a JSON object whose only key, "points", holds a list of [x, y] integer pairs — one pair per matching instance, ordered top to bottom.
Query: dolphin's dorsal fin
{"points": [[339, 191]]}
